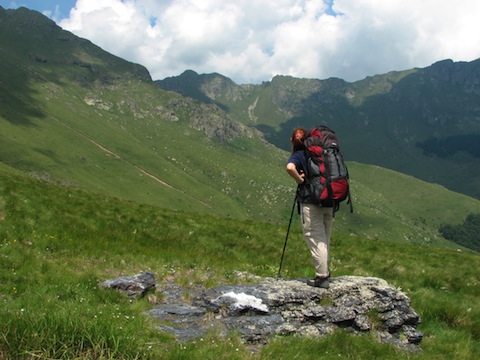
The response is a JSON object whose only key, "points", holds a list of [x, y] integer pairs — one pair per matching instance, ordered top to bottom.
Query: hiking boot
{"points": [[321, 282]]}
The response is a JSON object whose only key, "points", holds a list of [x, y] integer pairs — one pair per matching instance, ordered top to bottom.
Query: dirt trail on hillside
{"points": [[115, 155], [142, 170]]}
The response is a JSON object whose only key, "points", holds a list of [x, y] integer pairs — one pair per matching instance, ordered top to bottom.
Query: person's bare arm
{"points": [[292, 171]]}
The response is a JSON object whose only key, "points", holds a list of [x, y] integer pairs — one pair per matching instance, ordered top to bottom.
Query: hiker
{"points": [[317, 220]]}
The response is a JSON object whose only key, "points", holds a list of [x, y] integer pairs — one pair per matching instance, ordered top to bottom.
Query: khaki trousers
{"points": [[317, 227]]}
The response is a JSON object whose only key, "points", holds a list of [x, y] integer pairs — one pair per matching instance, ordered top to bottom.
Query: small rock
{"points": [[133, 286]]}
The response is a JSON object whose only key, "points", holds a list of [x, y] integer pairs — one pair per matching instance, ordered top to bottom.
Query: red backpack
{"points": [[327, 182]]}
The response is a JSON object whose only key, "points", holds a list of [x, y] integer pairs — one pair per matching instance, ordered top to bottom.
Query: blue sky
{"points": [[57, 9], [252, 41]]}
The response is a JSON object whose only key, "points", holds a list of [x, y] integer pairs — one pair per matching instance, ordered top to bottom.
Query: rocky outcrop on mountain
{"points": [[463, 74], [206, 87], [210, 119], [216, 124], [276, 307]]}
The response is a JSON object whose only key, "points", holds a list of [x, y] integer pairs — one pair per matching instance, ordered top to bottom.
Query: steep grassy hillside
{"points": [[76, 115], [394, 206], [57, 242]]}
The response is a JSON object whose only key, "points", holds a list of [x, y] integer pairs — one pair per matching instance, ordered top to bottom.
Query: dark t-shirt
{"points": [[300, 160]]}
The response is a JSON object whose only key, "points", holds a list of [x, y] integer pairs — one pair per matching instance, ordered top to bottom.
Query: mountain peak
{"points": [[29, 33]]}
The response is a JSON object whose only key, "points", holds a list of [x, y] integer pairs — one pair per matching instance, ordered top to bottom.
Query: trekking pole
{"points": [[279, 275]]}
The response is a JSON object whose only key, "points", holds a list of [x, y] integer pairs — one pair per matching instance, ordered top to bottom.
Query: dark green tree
{"points": [[466, 234]]}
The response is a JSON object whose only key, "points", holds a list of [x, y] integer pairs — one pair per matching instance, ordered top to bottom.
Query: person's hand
{"points": [[302, 178]]}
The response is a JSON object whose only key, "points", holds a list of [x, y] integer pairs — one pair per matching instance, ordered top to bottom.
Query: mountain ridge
{"points": [[403, 116]]}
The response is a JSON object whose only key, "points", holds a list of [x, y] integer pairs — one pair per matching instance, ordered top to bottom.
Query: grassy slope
{"points": [[60, 148], [395, 206], [57, 242]]}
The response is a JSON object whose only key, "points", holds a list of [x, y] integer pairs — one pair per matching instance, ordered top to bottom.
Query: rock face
{"points": [[281, 307]]}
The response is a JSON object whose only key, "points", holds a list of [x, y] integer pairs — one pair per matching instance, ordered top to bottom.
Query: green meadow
{"points": [[59, 242]]}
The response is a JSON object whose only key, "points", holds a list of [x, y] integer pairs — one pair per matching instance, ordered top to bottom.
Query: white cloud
{"points": [[251, 41]]}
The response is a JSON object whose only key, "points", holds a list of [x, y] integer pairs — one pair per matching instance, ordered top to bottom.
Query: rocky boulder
{"points": [[289, 306]]}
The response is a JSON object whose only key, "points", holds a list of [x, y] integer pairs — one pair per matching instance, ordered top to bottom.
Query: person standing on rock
{"points": [[317, 220]]}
